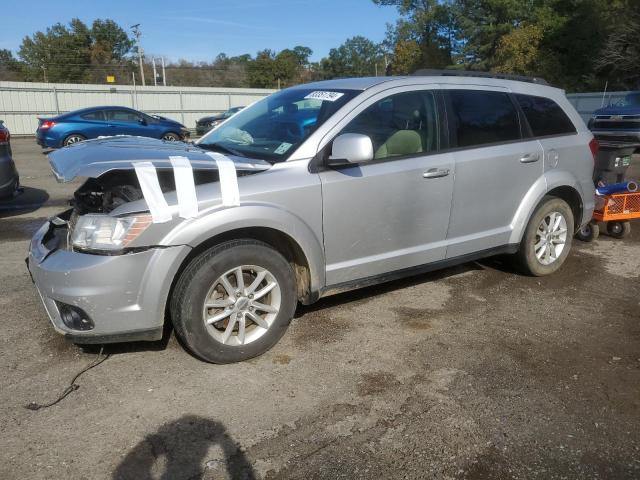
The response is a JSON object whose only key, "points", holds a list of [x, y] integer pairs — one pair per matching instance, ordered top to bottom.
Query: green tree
{"points": [[424, 36], [75, 53], [356, 57], [10, 68], [262, 71]]}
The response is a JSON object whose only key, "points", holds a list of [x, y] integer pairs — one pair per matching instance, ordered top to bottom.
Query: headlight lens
{"points": [[104, 232]]}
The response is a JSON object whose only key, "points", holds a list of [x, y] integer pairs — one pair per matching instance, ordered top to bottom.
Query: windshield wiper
{"points": [[220, 148]]}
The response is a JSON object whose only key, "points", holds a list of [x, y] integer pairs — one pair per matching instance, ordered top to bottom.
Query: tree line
{"points": [[579, 45]]}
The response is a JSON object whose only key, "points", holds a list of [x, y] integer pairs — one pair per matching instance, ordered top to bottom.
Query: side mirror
{"points": [[142, 121], [351, 148]]}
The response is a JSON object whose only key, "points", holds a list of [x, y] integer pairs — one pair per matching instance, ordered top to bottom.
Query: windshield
{"points": [[630, 100], [274, 127]]}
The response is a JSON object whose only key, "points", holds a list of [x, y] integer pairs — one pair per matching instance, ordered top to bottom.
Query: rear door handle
{"points": [[530, 158], [436, 173]]}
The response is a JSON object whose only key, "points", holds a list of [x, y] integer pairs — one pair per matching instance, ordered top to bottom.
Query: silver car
{"points": [[314, 190]]}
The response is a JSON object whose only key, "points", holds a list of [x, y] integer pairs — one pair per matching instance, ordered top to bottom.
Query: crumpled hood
{"points": [[93, 158]]}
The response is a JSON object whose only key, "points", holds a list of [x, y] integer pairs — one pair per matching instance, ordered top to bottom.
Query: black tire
{"points": [[171, 137], [73, 138], [618, 229], [589, 232], [526, 257], [202, 272]]}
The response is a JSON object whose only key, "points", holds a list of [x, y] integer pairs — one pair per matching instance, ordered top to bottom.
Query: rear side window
{"points": [[97, 115], [545, 116], [483, 117]]}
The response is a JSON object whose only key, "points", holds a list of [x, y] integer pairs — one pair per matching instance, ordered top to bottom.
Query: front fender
{"points": [[254, 215]]}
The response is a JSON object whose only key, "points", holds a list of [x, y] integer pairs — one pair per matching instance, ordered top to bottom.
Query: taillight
{"points": [[47, 124], [4, 136], [594, 146]]}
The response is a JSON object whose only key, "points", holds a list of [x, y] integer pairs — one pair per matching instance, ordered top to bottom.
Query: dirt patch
{"points": [[414, 318], [318, 327], [281, 359], [377, 383]]}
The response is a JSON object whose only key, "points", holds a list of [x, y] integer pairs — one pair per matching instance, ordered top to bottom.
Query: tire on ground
{"points": [[526, 257], [187, 301]]}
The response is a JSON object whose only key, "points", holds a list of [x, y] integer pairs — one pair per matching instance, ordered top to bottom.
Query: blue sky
{"points": [[199, 30]]}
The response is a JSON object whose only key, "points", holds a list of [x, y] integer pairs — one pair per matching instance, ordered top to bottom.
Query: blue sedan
{"points": [[95, 122]]}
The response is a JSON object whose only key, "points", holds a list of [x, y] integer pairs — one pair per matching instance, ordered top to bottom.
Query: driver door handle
{"points": [[530, 158], [436, 173]]}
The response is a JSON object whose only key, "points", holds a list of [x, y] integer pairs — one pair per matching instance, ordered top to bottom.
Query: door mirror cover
{"points": [[351, 148]]}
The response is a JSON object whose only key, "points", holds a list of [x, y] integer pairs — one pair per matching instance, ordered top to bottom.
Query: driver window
{"points": [[400, 125]]}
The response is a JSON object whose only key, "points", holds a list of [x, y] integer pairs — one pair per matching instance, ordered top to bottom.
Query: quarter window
{"points": [[545, 116], [483, 117], [399, 125]]}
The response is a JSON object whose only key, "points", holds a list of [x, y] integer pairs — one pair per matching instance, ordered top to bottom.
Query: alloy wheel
{"points": [[73, 139], [551, 238], [241, 305]]}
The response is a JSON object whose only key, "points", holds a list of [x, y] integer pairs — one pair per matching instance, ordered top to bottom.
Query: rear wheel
{"points": [[171, 137], [73, 138], [618, 229], [547, 239], [234, 301]]}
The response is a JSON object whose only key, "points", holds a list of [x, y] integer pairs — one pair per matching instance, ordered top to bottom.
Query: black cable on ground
{"points": [[73, 385]]}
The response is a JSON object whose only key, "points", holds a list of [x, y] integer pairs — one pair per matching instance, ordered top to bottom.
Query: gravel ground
{"points": [[474, 372]]}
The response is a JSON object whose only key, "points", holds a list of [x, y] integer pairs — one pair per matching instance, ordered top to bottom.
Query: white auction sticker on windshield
{"points": [[322, 95], [282, 148]]}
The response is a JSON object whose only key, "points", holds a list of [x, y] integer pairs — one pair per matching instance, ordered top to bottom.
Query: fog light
{"points": [[74, 317]]}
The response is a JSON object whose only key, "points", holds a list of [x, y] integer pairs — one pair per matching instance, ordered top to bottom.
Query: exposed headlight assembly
{"points": [[104, 232]]}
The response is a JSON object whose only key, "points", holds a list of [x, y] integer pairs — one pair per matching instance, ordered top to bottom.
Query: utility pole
{"points": [[137, 33], [44, 73], [155, 73], [164, 74]]}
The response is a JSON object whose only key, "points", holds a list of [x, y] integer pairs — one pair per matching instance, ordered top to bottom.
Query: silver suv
{"points": [[313, 190]]}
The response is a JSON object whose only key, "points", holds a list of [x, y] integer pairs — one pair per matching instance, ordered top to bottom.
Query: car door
{"points": [[125, 122], [93, 124], [495, 168], [391, 213]]}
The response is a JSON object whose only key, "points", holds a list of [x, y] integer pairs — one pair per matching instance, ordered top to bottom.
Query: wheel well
{"points": [[573, 198], [279, 241]]}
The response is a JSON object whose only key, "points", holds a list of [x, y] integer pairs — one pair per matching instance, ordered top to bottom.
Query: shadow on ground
{"points": [[29, 200], [179, 449]]}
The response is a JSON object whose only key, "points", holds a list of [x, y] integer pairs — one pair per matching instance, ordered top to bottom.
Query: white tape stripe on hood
{"points": [[148, 179], [228, 179], [185, 187]]}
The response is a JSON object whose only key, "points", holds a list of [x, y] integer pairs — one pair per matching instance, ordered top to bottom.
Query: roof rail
{"points": [[427, 72]]}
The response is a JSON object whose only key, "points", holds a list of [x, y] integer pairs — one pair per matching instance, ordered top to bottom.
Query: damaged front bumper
{"points": [[121, 297]]}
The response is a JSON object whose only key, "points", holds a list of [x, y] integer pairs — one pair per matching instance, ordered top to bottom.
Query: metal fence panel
{"points": [[21, 103]]}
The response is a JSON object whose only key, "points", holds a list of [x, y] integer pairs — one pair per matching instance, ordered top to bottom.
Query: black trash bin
{"points": [[611, 164]]}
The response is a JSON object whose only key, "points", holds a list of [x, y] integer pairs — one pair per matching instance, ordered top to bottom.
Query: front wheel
{"points": [[171, 137], [547, 239], [234, 301]]}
